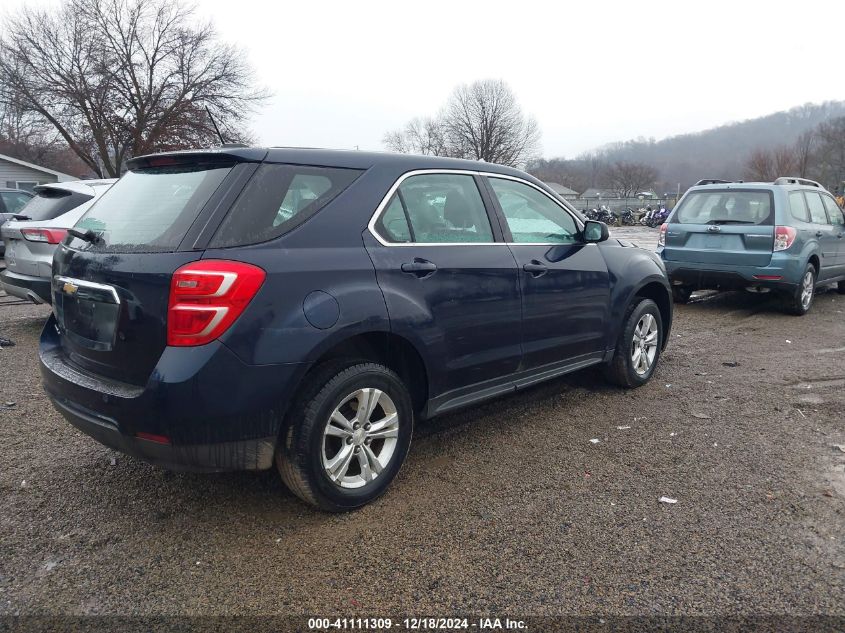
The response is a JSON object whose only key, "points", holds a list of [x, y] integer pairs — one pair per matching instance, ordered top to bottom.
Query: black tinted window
{"points": [[278, 198], [51, 203], [725, 207], [150, 210]]}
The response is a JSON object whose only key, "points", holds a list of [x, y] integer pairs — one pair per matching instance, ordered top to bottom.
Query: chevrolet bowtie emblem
{"points": [[70, 288]]}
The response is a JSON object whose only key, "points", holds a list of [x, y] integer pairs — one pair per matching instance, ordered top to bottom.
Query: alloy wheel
{"points": [[807, 288], [644, 344], [360, 438]]}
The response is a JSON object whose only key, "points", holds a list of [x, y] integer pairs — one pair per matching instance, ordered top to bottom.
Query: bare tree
{"points": [[117, 78], [481, 121], [484, 122], [27, 136], [420, 136], [804, 148], [830, 154], [765, 165], [627, 179]]}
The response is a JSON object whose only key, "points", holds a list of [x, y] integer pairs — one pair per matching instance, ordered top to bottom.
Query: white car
{"points": [[30, 242]]}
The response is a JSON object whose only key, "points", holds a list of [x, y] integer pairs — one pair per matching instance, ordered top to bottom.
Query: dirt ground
{"points": [[507, 507]]}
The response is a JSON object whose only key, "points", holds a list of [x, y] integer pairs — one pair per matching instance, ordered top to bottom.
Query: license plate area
{"points": [[86, 312]]}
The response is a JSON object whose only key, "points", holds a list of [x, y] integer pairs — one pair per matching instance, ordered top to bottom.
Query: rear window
{"points": [[279, 198], [50, 203], [725, 207], [150, 210]]}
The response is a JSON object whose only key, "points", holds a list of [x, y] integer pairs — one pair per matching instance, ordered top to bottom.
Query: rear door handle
{"points": [[419, 267], [535, 268]]}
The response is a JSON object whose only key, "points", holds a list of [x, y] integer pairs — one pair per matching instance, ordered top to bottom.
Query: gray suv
{"points": [[787, 236]]}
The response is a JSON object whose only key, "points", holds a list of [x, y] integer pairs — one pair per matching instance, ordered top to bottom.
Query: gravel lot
{"points": [[507, 508]]}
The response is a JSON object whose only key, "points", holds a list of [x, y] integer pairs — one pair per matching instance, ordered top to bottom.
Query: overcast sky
{"points": [[591, 72]]}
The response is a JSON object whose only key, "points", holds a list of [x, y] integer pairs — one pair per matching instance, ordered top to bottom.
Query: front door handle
{"points": [[419, 267], [535, 268]]}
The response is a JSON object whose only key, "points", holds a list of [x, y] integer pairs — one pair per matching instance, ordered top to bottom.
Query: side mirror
{"points": [[595, 231]]}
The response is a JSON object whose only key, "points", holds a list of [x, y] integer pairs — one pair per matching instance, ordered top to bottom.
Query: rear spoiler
{"points": [[231, 154]]}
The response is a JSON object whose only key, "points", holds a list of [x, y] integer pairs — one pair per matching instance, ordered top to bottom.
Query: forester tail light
{"points": [[48, 236], [784, 236], [661, 239], [206, 297]]}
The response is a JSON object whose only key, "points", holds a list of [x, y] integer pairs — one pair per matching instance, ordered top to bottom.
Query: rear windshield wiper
{"points": [[21, 216], [730, 222], [88, 236]]}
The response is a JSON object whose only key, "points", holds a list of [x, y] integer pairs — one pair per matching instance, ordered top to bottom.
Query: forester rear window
{"points": [[279, 198], [725, 207], [150, 210]]}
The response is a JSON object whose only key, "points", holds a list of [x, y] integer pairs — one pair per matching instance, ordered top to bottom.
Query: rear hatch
{"points": [[722, 226], [25, 248], [111, 288]]}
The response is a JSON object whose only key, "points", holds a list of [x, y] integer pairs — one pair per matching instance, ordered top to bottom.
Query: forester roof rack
{"points": [[789, 180], [713, 181]]}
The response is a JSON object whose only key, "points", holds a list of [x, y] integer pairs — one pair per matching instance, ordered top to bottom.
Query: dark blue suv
{"points": [[230, 308]]}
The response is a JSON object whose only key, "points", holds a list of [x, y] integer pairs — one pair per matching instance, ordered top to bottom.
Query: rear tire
{"points": [[840, 287], [681, 294], [800, 300], [642, 331], [326, 463]]}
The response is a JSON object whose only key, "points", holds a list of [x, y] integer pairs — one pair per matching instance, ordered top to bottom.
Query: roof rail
{"points": [[789, 180], [713, 181]]}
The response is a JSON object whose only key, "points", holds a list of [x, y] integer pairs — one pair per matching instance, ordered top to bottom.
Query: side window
{"points": [[798, 207], [441, 208], [833, 211], [817, 212], [532, 216], [393, 224]]}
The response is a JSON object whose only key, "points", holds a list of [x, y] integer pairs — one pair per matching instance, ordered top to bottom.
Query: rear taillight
{"points": [[49, 236], [784, 236], [661, 239], [206, 297]]}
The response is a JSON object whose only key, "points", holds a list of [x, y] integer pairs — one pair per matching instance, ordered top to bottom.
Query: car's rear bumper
{"points": [[782, 272], [725, 280], [36, 289], [202, 409]]}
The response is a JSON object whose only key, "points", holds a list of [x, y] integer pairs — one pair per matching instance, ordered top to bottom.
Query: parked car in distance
{"points": [[11, 202], [787, 236], [31, 240], [229, 308]]}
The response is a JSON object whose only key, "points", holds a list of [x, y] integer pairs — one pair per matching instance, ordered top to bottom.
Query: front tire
{"points": [[840, 287], [800, 300], [639, 345], [346, 436]]}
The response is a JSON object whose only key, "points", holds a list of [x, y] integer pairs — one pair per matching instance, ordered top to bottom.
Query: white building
{"points": [[19, 174]]}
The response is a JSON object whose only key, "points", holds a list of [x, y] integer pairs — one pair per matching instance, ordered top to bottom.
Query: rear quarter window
{"points": [[279, 198], [798, 206], [726, 207]]}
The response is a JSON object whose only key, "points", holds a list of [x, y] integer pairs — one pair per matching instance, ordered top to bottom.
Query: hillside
{"points": [[720, 152]]}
